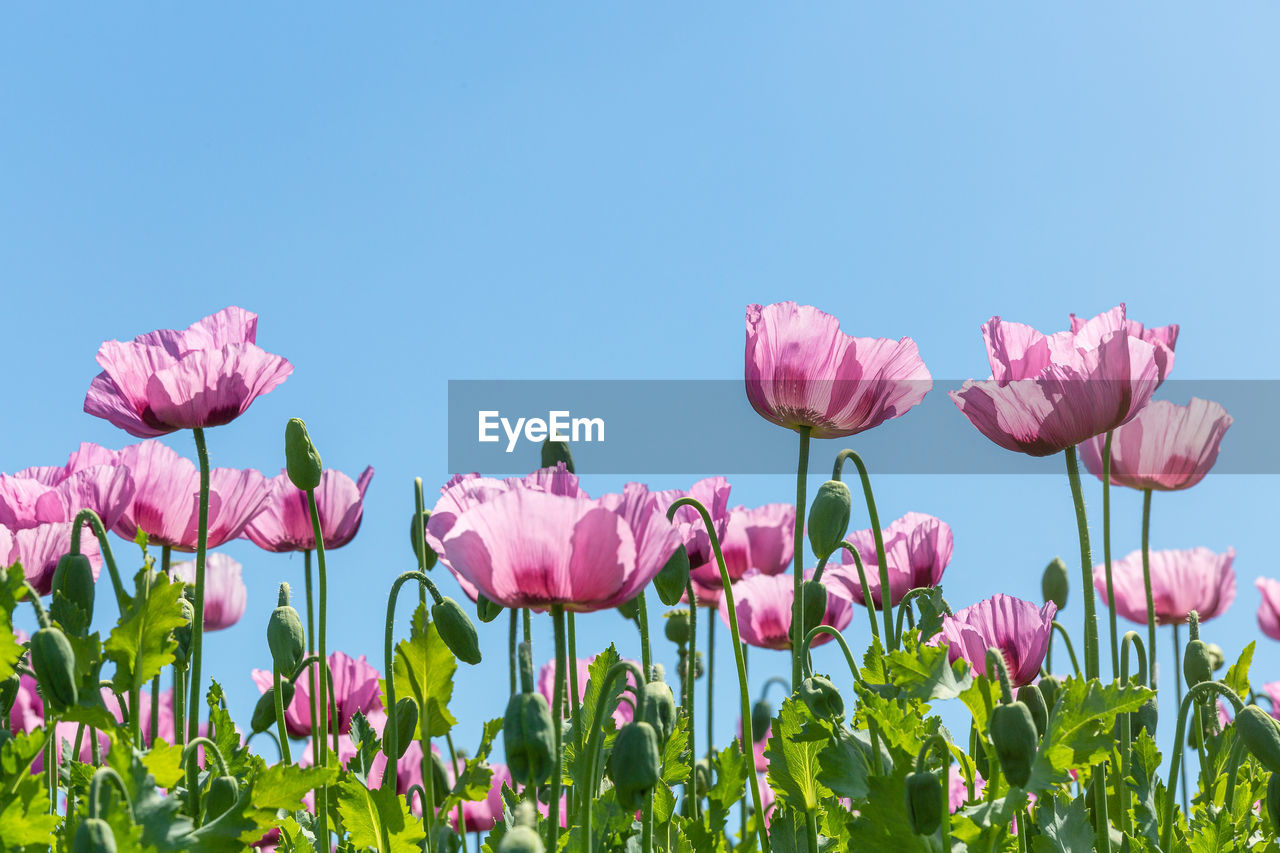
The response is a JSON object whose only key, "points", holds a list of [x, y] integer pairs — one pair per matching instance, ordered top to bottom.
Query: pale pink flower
{"points": [[1165, 447], [713, 494], [41, 495], [284, 524], [757, 539], [39, 548], [917, 548], [1181, 581], [225, 594], [763, 604], [1269, 608], [1018, 628], [355, 688], [623, 713], [958, 791], [481, 815]]}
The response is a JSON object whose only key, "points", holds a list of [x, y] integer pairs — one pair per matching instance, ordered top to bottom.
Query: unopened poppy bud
{"points": [[554, 452], [301, 459], [829, 518], [417, 538], [673, 578], [1054, 583], [73, 590], [815, 606], [487, 610], [677, 627], [456, 629], [182, 634], [284, 635], [1216, 656], [54, 663], [1197, 663], [682, 666], [1050, 687], [9, 694], [1030, 696], [822, 698], [658, 708], [264, 713], [1146, 718], [761, 719], [406, 726], [1013, 733], [528, 735], [1260, 736], [635, 763], [439, 777], [702, 777], [223, 793], [1273, 801], [924, 802], [93, 835], [521, 839]]}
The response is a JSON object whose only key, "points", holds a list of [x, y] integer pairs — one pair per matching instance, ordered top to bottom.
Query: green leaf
{"points": [[142, 643], [426, 666], [924, 672], [1238, 673], [1079, 732], [366, 742], [164, 762], [793, 763], [845, 765], [282, 786], [378, 818], [22, 823], [1065, 828]]}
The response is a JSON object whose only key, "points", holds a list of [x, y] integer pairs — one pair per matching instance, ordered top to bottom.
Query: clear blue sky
{"points": [[408, 194]]}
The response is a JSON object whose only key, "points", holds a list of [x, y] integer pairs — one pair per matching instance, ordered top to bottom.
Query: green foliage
{"points": [[142, 643], [425, 666]]}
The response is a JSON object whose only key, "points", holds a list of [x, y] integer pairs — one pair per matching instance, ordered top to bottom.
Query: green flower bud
{"points": [[554, 452], [301, 459], [829, 518], [417, 538], [673, 578], [1054, 583], [73, 591], [815, 607], [630, 609], [487, 610], [677, 627], [456, 629], [182, 634], [285, 636], [1216, 658], [1197, 663], [682, 665], [55, 666], [1050, 687], [8, 694], [822, 697], [1034, 700], [658, 708], [264, 713], [1145, 718], [761, 719], [406, 726], [1013, 733], [1260, 736], [529, 738], [635, 763], [439, 777], [702, 777], [223, 793], [1273, 801], [924, 803], [94, 835], [521, 839]]}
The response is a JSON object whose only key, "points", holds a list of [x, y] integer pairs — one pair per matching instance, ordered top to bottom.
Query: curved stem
{"points": [[88, 516], [1106, 548], [797, 553], [882, 561], [1086, 567], [1146, 582], [867, 602], [904, 606], [197, 623], [844, 647], [1071, 649], [770, 682], [1194, 695], [557, 714], [391, 731], [269, 735], [937, 745], [212, 748], [106, 774], [592, 785]]}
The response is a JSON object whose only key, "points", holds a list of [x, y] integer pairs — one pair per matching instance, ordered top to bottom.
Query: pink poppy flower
{"points": [[801, 370], [167, 380], [1050, 392], [1166, 447], [712, 493], [41, 495], [166, 504], [284, 524], [757, 539], [917, 547], [39, 548], [530, 548], [1181, 581], [225, 594], [763, 604], [1269, 608], [1018, 628], [547, 683], [355, 688], [27, 713], [758, 747], [958, 791], [481, 815]]}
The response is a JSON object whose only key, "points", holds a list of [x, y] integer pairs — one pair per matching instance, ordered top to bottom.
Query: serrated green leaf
{"points": [[142, 643], [425, 665], [925, 673], [1238, 673], [1079, 730], [164, 762], [793, 764], [845, 765], [282, 786], [378, 818], [23, 824], [1064, 827]]}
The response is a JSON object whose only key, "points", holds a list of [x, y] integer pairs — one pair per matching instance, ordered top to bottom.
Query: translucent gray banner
{"points": [[703, 427]]}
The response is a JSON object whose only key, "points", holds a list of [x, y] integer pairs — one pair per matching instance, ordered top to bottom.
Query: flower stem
{"points": [[88, 516], [1106, 551], [797, 553], [165, 554], [1086, 567], [1146, 582], [869, 606], [642, 623], [197, 625], [1058, 628], [891, 641], [511, 648], [571, 661], [311, 673], [711, 675], [691, 676], [1195, 694], [557, 712], [280, 727], [391, 731], [593, 741], [1181, 744], [322, 796]]}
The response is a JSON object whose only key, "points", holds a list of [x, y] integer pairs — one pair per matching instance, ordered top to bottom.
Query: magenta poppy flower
{"points": [[801, 370], [167, 380], [1050, 392], [1165, 447], [712, 493], [40, 495], [166, 503], [284, 524], [754, 540], [917, 547], [39, 548], [530, 548], [1181, 581], [224, 590], [763, 605], [1269, 608], [1018, 628], [547, 684], [355, 688], [27, 713], [758, 747], [958, 791], [481, 815]]}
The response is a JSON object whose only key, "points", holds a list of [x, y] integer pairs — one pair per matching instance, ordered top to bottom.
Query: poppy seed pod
{"points": [[554, 452], [301, 459], [829, 518], [417, 538], [672, 579], [1054, 583], [73, 584], [815, 606], [487, 610], [677, 627], [456, 629], [182, 634], [285, 636], [1197, 663], [682, 665], [55, 666], [1049, 687], [1031, 696], [822, 697], [658, 708], [264, 713], [761, 719], [406, 726], [1013, 733], [1260, 735], [528, 736], [635, 763], [223, 793], [1273, 801], [924, 802], [94, 835], [521, 839]]}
